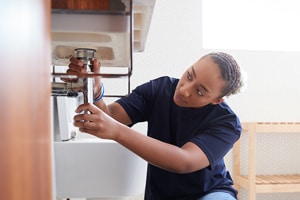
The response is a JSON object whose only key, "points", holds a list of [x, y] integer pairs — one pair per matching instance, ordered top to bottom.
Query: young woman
{"points": [[190, 127]]}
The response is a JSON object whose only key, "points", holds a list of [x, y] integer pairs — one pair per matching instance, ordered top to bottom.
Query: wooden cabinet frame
{"points": [[253, 182]]}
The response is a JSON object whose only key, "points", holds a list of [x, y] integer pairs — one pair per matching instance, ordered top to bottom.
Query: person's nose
{"points": [[185, 90]]}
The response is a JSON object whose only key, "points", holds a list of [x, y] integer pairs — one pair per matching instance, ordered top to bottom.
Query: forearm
{"points": [[157, 153], [184, 159]]}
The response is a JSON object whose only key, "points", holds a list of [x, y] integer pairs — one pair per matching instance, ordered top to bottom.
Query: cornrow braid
{"points": [[230, 71]]}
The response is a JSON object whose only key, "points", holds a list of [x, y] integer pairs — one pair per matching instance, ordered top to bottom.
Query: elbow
{"points": [[188, 165], [178, 168], [184, 168]]}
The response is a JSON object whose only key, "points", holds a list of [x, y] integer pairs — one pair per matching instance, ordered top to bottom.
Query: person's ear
{"points": [[217, 101]]}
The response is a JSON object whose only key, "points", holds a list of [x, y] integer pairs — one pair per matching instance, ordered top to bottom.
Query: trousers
{"points": [[218, 196]]}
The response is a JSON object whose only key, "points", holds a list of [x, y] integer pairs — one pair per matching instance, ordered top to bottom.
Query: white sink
{"points": [[96, 168]]}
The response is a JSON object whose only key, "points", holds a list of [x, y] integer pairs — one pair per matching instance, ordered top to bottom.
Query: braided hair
{"points": [[230, 72]]}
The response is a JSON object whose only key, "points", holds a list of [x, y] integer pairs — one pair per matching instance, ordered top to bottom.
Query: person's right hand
{"points": [[97, 122]]}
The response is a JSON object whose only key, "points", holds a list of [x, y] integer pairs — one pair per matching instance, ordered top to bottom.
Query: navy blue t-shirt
{"points": [[214, 128]]}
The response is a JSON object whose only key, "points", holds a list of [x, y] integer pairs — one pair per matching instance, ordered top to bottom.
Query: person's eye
{"points": [[189, 76], [199, 92]]}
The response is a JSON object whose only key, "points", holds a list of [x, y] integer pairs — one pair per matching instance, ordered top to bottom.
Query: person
{"points": [[190, 127]]}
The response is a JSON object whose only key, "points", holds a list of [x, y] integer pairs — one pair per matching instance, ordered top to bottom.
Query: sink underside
{"points": [[109, 35], [96, 169]]}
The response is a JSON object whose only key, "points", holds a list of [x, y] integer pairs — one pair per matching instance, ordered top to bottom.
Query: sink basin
{"points": [[96, 168]]}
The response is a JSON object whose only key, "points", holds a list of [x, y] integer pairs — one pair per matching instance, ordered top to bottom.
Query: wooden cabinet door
{"points": [[81, 4], [25, 123]]}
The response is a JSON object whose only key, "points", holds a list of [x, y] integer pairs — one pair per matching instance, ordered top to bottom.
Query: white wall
{"points": [[175, 42]]}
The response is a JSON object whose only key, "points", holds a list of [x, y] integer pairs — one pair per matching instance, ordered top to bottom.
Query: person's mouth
{"points": [[179, 98]]}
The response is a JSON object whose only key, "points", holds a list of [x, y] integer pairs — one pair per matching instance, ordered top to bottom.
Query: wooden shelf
{"points": [[253, 182], [272, 183]]}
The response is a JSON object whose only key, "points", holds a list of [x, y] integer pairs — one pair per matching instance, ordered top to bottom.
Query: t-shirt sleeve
{"points": [[136, 104], [139, 104], [218, 138]]}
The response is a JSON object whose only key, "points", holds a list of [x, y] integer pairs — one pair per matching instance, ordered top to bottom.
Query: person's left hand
{"points": [[97, 122]]}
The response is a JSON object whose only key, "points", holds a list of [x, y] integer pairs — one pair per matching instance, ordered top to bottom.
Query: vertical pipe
{"points": [[86, 56]]}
